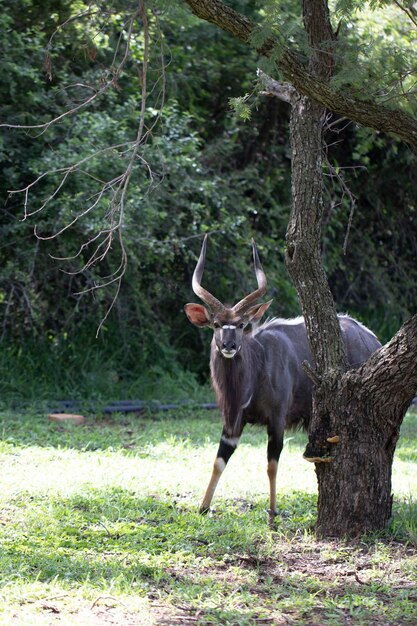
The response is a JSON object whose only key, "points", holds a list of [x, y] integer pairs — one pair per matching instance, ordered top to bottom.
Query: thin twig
{"points": [[409, 11], [128, 173], [113, 191], [116, 601]]}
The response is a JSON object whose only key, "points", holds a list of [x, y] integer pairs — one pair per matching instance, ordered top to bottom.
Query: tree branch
{"points": [[410, 11], [271, 87], [365, 112], [392, 370]]}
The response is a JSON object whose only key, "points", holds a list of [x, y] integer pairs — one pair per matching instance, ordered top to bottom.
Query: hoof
{"points": [[203, 510], [271, 518]]}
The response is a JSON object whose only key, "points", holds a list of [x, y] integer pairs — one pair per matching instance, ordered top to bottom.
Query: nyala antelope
{"points": [[256, 370]]}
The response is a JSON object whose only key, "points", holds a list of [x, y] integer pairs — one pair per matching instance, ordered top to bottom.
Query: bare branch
{"points": [[410, 11], [71, 19], [109, 84], [44, 127], [66, 171], [113, 192], [346, 193], [76, 218]]}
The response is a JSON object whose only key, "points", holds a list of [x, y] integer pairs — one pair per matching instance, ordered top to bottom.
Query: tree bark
{"points": [[365, 112], [304, 231], [303, 256], [304, 264], [366, 413]]}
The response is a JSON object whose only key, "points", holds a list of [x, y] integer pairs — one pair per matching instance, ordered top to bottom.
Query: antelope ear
{"points": [[255, 313], [198, 315]]}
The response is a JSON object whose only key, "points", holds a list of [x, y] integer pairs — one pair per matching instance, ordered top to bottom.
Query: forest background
{"points": [[208, 167]]}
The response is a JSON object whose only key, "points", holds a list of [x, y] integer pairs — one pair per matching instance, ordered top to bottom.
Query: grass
{"points": [[99, 525]]}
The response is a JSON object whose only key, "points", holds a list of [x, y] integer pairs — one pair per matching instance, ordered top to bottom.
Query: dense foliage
{"points": [[204, 169]]}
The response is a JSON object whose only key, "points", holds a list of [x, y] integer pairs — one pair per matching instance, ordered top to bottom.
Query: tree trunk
{"points": [[304, 231], [303, 256], [363, 409], [366, 413], [355, 487]]}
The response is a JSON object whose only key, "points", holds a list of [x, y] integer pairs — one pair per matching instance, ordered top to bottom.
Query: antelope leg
{"points": [[275, 443], [226, 448]]}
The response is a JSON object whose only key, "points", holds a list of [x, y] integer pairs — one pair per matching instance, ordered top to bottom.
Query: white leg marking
{"points": [[231, 441], [219, 465]]}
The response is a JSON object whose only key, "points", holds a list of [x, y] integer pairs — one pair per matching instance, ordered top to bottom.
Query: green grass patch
{"points": [[99, 524]]}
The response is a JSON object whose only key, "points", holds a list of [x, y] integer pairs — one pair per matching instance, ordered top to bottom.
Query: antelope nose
{"points": [[229, 345]]}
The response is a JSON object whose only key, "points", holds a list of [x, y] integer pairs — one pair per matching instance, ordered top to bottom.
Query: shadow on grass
{"points": [[112, 537], [226, 569]]}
